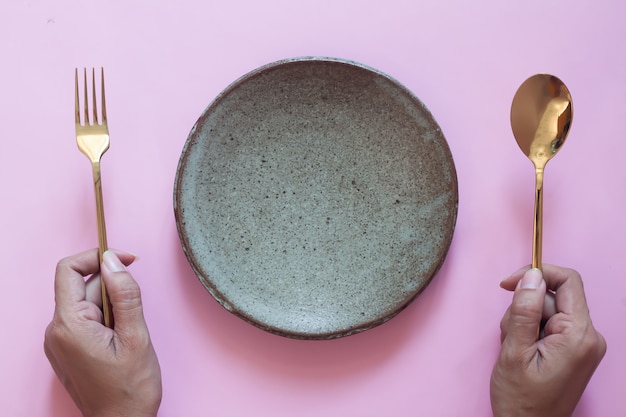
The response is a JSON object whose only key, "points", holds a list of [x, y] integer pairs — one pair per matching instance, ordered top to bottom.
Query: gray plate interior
{"points": [[315, 198]]}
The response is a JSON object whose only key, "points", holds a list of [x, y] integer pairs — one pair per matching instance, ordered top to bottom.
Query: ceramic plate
{"points": [[315, 198]]}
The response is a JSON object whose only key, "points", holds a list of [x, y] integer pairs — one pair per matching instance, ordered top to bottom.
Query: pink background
{"points": [[166, 60]]}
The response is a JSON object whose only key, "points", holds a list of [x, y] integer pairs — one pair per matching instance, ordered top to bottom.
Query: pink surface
{"points": [[166, 61]]}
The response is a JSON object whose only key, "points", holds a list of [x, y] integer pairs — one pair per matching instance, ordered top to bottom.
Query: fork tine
{"points": [[93, 96], [86, 97], [76, 100], [104, 107]]}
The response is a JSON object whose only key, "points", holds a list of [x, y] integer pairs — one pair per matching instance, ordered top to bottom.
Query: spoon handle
{"points": [[538, 223]]}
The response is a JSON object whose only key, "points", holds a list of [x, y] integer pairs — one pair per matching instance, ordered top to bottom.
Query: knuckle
{"points": [[63, 264], [572, 272], [575, 275], [130, 292], [127, 295], [525, 311], [53, 335], [595, 344], [591, 345], [602, 346], [512, 357]]}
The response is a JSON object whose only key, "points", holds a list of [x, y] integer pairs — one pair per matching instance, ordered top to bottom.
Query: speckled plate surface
{"points": [[315, 198]]}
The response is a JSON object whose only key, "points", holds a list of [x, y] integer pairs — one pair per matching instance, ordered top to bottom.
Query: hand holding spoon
{"points": [[541, 115]]}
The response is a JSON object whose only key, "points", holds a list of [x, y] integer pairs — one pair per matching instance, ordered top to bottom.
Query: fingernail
{"points": [[112, 262], [531, 279]]}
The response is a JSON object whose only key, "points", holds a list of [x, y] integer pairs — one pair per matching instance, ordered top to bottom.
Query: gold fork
{"points": [[92, 137]]}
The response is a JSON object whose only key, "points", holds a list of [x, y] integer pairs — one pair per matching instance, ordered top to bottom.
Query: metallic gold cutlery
{"points": [[541, 115], [92, 137]]}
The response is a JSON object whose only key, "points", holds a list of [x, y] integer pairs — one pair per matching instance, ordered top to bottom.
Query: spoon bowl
{"points": [[541, 116]]}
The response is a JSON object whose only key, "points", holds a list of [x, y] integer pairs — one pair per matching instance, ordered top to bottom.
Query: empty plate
{"points": [[315, 198]]}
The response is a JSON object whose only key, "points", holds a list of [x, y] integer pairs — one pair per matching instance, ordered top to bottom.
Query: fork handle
{"points": [[102, 241]]}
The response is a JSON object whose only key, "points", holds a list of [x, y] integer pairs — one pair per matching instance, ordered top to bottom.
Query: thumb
{"points": [[124, 295], [526, 311]]}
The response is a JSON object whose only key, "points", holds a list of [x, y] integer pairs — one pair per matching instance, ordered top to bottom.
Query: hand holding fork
{"points": [[92, 137]]}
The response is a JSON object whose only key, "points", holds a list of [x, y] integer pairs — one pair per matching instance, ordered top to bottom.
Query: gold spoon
{"points": [[541, 115]]}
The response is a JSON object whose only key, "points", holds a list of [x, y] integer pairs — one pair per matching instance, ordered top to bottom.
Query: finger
{"points": [[127, 258], [510, 282], [69, 283], [93, 286], [93, 290], [569, 292], [124, 294], [549, 306], [549, 310], [525, 312]]}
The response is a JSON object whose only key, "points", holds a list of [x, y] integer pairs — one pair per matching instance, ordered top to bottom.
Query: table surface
{"points": [[165, 63]]}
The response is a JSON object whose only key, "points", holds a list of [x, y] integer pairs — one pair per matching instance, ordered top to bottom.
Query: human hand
{"points": [[107, 372], [544, 377]]}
